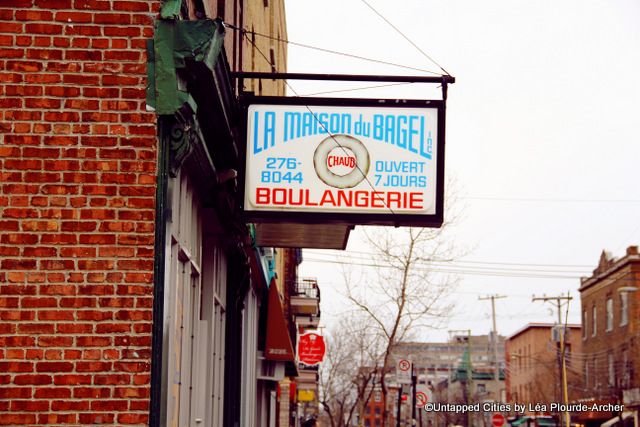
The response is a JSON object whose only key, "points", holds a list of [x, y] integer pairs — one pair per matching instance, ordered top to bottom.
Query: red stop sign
{"points": [[497, 420]]}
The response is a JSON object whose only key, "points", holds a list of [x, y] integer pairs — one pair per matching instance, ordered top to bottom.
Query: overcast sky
{"points": [[542, 134]]}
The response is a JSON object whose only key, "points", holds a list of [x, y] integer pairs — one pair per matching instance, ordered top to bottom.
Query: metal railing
{"points": [[307, 287]]}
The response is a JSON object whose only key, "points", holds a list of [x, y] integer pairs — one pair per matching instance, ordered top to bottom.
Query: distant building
{"points": [[610, 319], [435, 361], [533, 364], [442, 368], [468, 384], [374, 409]]}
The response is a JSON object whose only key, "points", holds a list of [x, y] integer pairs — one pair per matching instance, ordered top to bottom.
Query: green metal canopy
{"points": [[175, 43], [189, 80]]}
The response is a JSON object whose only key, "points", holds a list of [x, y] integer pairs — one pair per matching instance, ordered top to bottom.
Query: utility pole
{"points": [[493, 299], [560, 346]]}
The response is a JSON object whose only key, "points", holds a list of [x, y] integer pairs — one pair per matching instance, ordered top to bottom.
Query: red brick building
{"points": [[78, 179], [130, 289], [610, 318], [374, 408]]}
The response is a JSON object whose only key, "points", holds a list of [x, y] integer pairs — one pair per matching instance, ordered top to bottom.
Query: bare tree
{"points": [[403, 293], [349, 370]]}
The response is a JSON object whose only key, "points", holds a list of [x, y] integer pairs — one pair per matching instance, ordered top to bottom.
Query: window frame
{"points": [[624, 308]]}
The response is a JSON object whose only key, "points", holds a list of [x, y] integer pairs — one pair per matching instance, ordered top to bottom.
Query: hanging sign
{"points": [[348, 161], [311, 348], [306, 395]]}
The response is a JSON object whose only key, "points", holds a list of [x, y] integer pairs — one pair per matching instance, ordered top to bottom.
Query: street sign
{"points": [[403, 371], [423, 395], [421, 399], [497, 420]]}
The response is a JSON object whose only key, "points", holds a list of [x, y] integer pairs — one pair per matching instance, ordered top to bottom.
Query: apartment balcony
{"points": [[305, 301], [307, 321]]}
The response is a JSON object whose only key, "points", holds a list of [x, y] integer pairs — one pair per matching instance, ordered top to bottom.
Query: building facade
{"points": [[131, 290], [610, 323], [534, 358], [435, 361], [441, 371], [372, 414]]}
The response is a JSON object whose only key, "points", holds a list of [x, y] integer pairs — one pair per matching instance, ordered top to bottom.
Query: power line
{"points": [[405, 36], [333, 52], [358, 88], [550, 200], [621, 245], [368, 254], [363, 256], [368, 261], [426, 264], [463, 270], [450, 271], [457, 292]]}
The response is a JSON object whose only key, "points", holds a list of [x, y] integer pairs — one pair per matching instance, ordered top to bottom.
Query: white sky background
{"points": [[543, 128]]}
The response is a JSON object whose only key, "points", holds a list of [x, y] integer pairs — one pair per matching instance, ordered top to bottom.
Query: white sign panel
{"points": [[341, 159], [403, 371]]}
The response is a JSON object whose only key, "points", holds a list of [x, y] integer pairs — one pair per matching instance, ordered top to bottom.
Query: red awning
{"points": [[278, 346]]}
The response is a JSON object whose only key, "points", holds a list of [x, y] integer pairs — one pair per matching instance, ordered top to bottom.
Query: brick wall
{"points": [[77, 186], [607, 282]]}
